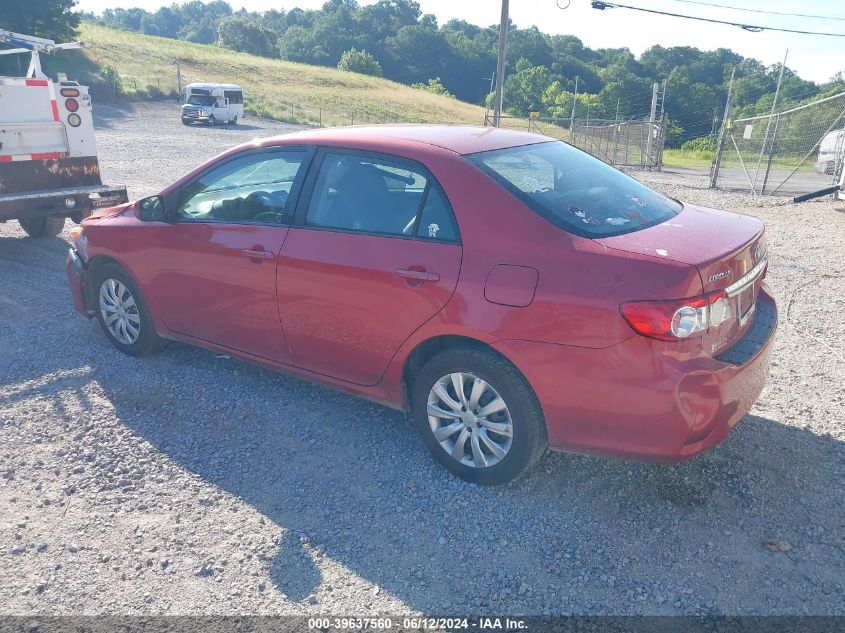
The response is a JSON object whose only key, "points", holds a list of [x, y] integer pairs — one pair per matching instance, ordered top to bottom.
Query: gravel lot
{"points": [[189, 483]]}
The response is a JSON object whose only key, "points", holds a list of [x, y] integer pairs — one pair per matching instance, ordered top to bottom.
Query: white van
{"points": [[213, 103], [831, 152]]}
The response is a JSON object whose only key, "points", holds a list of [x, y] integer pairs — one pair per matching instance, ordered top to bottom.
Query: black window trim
{"points": [[474, 160], [316, 164], [293, 197]]}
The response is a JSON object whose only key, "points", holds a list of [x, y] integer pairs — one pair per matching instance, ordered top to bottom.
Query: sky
{"points": [[813, 57]]}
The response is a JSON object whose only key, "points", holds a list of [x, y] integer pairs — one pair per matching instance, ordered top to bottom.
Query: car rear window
{"points": [[574, 190]]}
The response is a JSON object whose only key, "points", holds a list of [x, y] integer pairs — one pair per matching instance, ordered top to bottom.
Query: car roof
{"points": [[461, 139]]}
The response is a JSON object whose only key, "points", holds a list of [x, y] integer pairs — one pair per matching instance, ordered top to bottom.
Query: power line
{"points": [[601, 5], [794, 15]]}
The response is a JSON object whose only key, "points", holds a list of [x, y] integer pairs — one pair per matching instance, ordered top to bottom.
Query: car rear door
{"points": [[374, 254], [215, 265]]}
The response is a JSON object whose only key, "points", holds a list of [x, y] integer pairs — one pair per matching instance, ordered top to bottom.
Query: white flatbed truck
{"points": [[48, 155]]}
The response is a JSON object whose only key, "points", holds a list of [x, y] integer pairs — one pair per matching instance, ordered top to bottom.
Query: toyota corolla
{"points": [[510, 291]]}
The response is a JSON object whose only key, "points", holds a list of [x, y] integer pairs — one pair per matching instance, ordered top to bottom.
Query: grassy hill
{"points": [[284, 90]]}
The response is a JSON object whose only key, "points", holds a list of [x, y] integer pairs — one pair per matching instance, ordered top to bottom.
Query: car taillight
{"points": [[71, 104], [677, 319]]}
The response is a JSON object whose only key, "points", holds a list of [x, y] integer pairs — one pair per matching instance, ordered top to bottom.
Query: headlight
{"points": [[79, 241]]}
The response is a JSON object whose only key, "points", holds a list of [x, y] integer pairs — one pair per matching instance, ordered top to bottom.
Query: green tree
{"points": [[53, 19], [242, 33], [411, 47], [416, 53], [359, 62], [434, 86], [524, 90]]}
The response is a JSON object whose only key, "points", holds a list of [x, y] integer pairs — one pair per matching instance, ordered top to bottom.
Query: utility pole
{"points": [[500, 65], [572, 116], [726, 117], [652, 118], [769, 123], [616, 131]]}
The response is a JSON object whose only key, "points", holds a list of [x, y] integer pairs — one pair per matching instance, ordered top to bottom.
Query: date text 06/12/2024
{"points": [[418, 623]]}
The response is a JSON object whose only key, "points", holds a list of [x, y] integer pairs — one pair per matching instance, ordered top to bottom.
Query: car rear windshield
{"points": [[574, 190]]}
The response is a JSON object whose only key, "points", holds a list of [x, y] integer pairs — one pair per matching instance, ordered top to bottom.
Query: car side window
{"points": [[251, 189], [371, 195], [436, 220]]}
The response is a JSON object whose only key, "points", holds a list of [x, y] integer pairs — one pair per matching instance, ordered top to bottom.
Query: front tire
{"points": [[212, 121], [46, 226], [122, 312], [478, 416]]}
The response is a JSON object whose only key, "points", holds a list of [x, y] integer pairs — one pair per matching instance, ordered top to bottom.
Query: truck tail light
{"points": [[69, 92], [71, 104], [74, 120], [677, 319]]}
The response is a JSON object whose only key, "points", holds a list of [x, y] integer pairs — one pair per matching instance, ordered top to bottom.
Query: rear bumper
{"points": [[34, 204], [77, 277], [642, 400]]}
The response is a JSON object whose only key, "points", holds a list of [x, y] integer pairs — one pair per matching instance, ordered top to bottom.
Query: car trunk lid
{"points": [[729, 251]]}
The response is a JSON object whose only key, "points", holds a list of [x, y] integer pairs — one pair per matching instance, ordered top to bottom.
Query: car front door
{"points": [[374, 255], [215, 265]]}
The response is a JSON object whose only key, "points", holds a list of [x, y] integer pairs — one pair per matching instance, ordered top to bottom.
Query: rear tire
{"points": [[234, 121], [47, 226], [122, 312], [495, 447]]}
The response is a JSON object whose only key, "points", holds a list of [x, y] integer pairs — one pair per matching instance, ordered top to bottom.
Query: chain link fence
{"points": [[623, 143], [632, 143], [793, 152]]}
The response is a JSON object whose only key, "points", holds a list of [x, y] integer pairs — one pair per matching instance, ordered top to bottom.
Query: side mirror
{"points": [[151, 209]]}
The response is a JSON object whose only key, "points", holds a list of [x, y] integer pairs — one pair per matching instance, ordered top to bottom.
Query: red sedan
{"points": [[510, 291]]}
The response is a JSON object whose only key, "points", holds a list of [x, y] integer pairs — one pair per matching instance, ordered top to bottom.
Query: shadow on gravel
{"points": [[107, 115], [239, 127], [351, 479]]}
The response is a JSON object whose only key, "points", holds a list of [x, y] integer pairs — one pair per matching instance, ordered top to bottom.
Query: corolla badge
{"points": [[718, 276]]}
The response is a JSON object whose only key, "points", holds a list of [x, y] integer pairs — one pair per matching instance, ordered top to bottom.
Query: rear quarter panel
{"points": [[580, 283]]}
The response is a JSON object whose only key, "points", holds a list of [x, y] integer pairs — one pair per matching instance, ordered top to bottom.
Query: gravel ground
{"points": [[189, 483]]}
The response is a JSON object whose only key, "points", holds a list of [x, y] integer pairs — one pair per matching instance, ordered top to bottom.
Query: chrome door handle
{"points": [[257, 254], [417, 275]]}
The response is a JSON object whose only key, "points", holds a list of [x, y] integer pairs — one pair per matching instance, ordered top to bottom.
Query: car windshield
{"points": [[200, 100], [574, 190]]}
